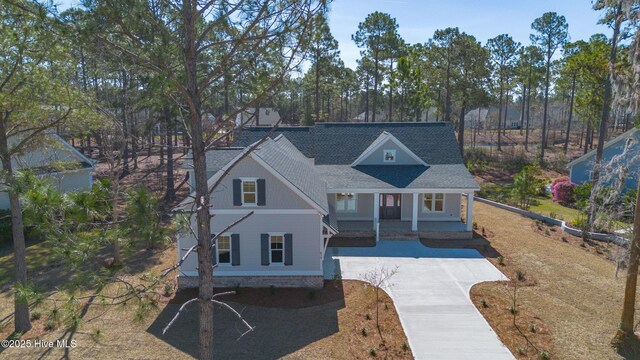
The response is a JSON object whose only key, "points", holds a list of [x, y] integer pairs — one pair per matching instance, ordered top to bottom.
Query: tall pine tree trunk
{"points": [[500, 119], [461, 127], [567, 138], [543, 139], [170, 194], [205, 250], [627, 320], [22, 322]]}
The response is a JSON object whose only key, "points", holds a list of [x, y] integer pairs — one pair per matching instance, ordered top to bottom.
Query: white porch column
{"points": [[376, 209], [470, 211], [414, 217]]}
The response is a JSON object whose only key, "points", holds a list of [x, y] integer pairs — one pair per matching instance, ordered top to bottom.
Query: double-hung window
{"points": [[249, 191], [346, 202], [433, 202], [223, 245], [276, 249]]}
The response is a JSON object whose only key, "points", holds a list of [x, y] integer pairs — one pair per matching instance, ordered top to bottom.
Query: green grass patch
{"points": [[547, 207], [38, 255]]}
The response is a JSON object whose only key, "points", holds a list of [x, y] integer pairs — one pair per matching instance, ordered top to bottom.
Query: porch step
{"points": [[398, 235]]}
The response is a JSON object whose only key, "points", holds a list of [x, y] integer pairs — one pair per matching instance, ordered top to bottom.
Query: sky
{"points": [[419, 19], [484, 19]]}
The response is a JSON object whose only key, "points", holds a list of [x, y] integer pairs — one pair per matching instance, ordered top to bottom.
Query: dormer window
{"points": [[389, 156]]}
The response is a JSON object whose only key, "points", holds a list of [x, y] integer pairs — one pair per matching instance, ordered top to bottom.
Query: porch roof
{"points": [[445, 176]]}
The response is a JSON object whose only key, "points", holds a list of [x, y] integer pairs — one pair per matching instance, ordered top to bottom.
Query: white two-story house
{"points": [[306, 184]]}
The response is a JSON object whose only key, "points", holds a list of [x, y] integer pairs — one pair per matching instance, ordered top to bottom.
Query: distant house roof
{"points": [[267, 116], [629, 134], [52, 155]]}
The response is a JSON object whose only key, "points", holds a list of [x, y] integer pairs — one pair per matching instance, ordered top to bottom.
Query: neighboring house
{"points": [[267, 117], [362, 117], [487, 118], [620, 153], [57, 160], [305, 184]]}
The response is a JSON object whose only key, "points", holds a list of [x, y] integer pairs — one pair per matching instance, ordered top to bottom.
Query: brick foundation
{"points": [[256, 281]]}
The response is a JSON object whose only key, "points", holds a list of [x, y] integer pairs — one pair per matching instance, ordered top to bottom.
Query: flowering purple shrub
{"points": [[563, 191]]}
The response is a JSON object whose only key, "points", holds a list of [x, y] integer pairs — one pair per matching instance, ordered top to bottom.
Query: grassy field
{"points": [[569, 290], [296, 324]]}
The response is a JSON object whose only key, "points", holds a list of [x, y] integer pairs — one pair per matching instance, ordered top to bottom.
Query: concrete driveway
{"points": [[431, 294]]}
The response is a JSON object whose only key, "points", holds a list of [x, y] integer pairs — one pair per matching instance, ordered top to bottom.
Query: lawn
{"points": [[547, 207], [569, 290], [289, 323]]}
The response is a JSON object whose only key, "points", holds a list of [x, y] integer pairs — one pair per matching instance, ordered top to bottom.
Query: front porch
{"points": [[427, 213], [398, 229]]}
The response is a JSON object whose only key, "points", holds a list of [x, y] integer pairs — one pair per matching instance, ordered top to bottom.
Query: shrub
{"points": [[558, 181], [526, 185], [563, 193], [581, 195], [475, 225], [500, 260], [519, 275], [168, 289], [484, 303], [386, 306], [512, 309], [36, 315], [367, 316], [50, 325], [533, 328], [364, 331], [15, 336], [405, 346], [521, 351], [373, 352], [545, 355]]}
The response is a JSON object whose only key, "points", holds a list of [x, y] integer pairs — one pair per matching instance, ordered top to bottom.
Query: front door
{"points": [[390, 206]]}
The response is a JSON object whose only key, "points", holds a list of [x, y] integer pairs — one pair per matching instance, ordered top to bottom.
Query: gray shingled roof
{"points": [[302, 137], [342, 143], [216, 159], [295, 168], [446, 176]]}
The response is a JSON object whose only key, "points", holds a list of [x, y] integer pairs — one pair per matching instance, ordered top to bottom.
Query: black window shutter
{"points": [[237, 192], [262, 195], [264, 244], [235, 249], [288, 249], [215, 250]]}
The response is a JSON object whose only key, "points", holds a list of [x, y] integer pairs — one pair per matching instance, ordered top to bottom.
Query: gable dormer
{"points": [[388, 150]]}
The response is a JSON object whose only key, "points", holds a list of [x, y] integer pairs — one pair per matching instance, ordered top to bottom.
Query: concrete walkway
{"points": [[431, 294]]}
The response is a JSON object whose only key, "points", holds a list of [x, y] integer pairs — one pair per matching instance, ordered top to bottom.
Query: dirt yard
{"points": [[568, 300], [289, 323]]}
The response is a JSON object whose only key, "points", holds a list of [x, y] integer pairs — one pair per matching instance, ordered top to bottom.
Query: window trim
{"points": [[384, 155], [242, 181], [433, 202], [345, 210], [227, 234], [281, 234]]}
